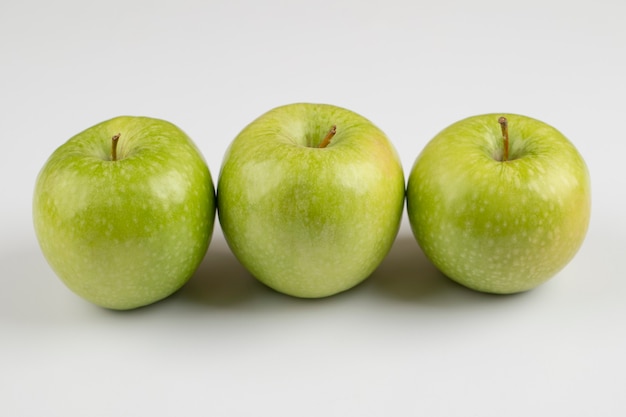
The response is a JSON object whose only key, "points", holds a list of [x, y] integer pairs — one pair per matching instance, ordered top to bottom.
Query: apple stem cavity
{"points": [[504, 124], [331, 133], [114, 140]]}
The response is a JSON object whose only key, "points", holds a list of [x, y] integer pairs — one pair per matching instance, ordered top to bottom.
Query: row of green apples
{"points": [[310, 199]]}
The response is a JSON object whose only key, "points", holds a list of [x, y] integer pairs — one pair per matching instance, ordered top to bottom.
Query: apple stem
{"points": [[504, 124], [331, 133], [114, 140]]}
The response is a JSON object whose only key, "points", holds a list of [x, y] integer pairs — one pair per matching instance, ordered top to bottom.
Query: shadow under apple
{"points": [[407, 275], [221, 280]]}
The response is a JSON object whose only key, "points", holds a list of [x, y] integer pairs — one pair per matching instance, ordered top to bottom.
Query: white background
{"points": [[407, 341]]}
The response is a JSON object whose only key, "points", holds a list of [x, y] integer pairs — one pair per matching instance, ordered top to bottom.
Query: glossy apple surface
{"points": [[306, 220], [496, 225], [127, 232]]}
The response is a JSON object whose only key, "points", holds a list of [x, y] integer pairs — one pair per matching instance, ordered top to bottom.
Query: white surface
{"points": [[407, 341]]}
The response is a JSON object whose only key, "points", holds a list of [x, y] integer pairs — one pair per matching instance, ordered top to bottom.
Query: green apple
{"points": [[310, 198], [499, 203], [124, 211]]}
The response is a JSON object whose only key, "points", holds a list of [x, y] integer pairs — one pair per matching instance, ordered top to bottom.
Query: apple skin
{"points": [[306, 221], [494, 226], [125, 233]]}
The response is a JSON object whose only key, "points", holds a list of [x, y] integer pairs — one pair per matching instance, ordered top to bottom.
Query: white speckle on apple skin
{"points": [[500, 227]]}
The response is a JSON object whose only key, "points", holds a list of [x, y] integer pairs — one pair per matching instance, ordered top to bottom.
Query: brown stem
{"points": [[331, 133], [505, 137], [114, 140]]}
